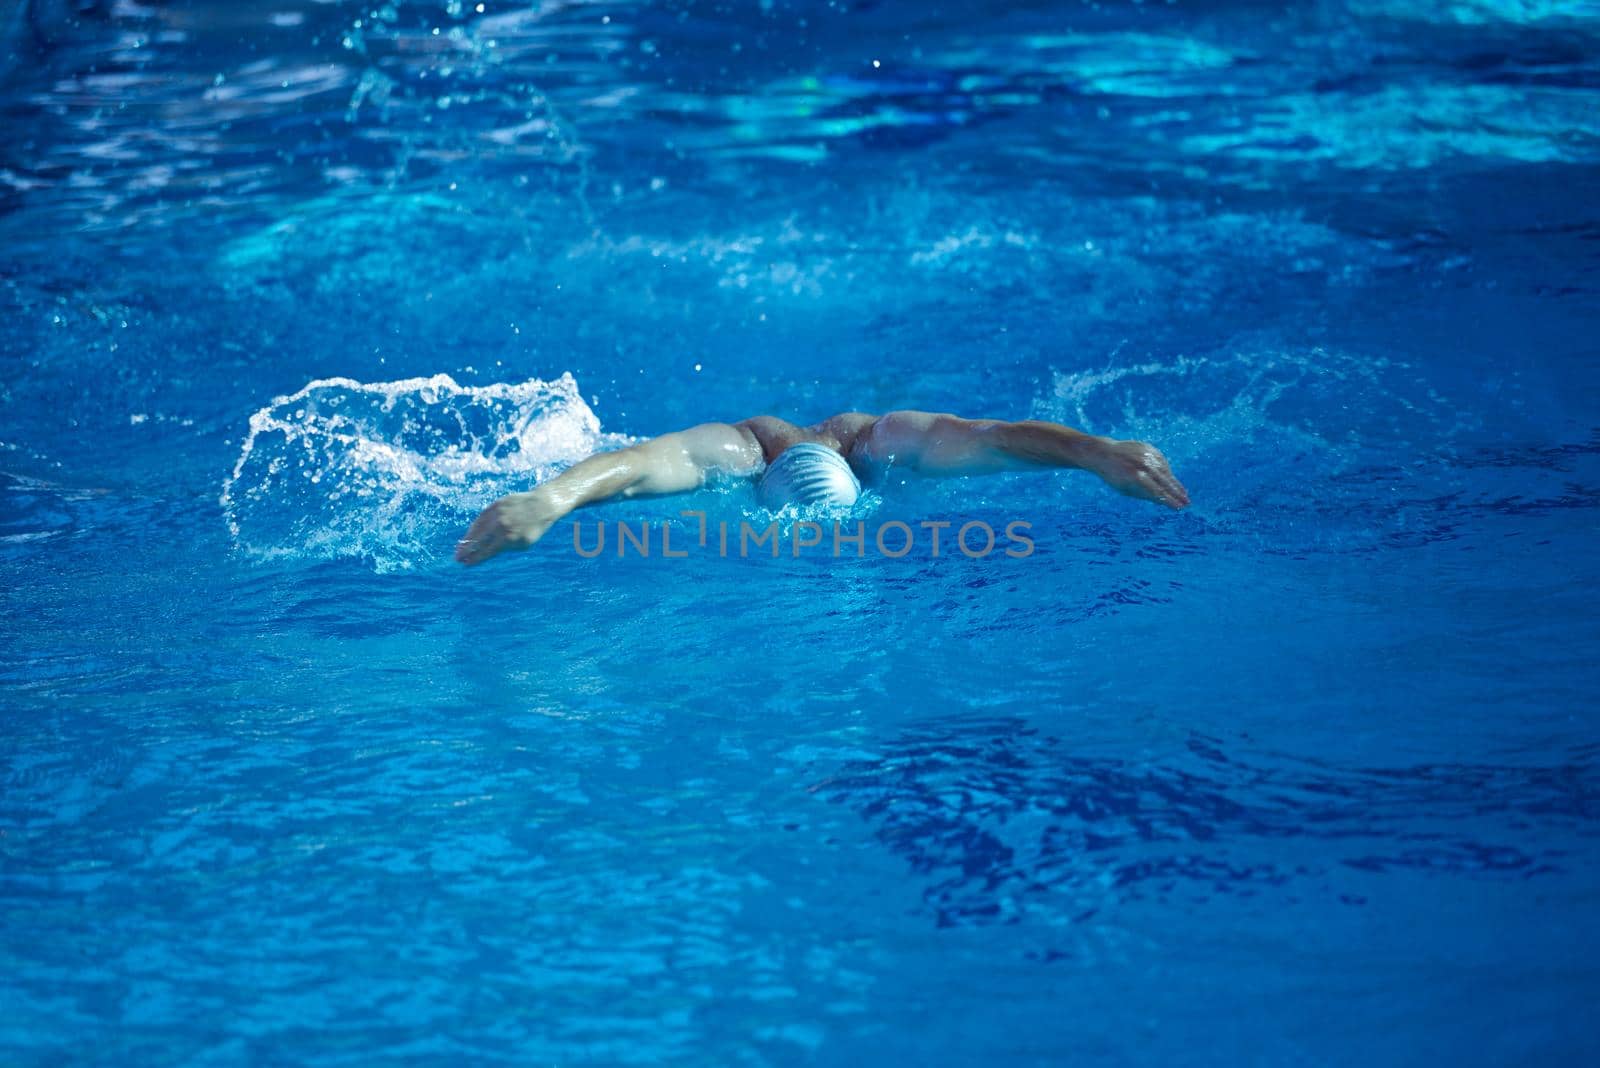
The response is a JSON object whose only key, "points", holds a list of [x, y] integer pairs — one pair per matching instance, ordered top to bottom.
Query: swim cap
{"points": [[808, 474]]}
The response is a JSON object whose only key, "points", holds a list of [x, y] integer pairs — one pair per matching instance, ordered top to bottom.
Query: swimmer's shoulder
{"points": [[845, 429]]}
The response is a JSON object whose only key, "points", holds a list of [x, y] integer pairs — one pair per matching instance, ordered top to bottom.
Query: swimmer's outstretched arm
{"points": [[937, 444], [672, 463]]}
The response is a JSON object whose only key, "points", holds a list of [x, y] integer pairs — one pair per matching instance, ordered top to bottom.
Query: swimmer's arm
{"points": [[937, 444], [672, 463]]}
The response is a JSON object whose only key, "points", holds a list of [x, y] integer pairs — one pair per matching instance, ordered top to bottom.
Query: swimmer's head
{"points": [[808, 474]]}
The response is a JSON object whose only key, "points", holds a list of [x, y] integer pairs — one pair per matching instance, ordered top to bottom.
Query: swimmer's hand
{"points": [[1138, 469], [513, 522]]}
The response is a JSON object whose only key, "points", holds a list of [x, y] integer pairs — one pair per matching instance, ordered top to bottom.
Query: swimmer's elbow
{"points": [[660, 466]]}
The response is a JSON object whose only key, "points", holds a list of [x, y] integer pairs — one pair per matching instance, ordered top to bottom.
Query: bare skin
{"points": [[928, 443]]}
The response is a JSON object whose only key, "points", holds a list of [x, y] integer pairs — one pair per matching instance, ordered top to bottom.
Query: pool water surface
{"points": [[1308, 772]]}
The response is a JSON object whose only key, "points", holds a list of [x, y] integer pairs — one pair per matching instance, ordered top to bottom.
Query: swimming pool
{"points": [[1305, 773]]}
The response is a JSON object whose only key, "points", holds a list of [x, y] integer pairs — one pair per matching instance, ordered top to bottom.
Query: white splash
{"points": [[386, 470]]}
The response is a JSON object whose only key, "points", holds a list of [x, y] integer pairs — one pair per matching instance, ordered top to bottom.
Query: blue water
{"points": [[1308, 773]]}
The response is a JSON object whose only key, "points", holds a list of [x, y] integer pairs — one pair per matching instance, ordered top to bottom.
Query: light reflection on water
{"points": [[163, 107]]}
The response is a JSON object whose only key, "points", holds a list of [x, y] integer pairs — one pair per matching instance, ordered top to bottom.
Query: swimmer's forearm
{"points": [[1034, 441], [672, 463], [1133, 468], [601, 477], [518, 520]]}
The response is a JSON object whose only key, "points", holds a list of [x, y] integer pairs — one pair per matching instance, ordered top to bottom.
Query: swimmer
{"points": [[820, 463]]}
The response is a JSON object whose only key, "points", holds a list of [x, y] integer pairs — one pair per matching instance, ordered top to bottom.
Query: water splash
{"points": [[1261, 395], [1301, 449], [384, 470]]}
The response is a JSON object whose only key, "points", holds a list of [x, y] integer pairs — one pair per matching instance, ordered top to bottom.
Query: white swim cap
{"points": [[808, 474]]}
